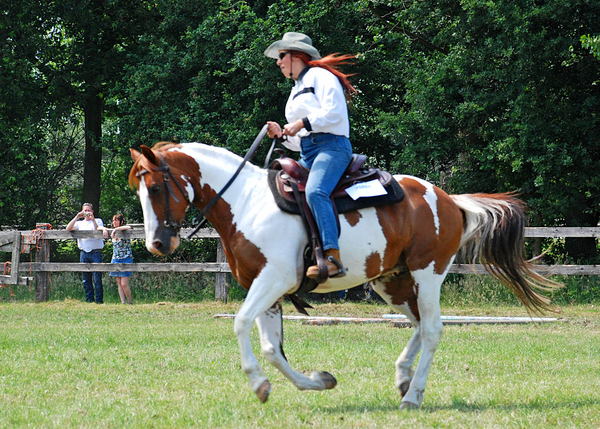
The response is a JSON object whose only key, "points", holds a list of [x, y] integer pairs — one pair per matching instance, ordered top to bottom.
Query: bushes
{"points": [[145, 287], [457, 290]]}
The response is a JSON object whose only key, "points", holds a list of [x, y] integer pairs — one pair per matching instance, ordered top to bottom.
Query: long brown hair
{"points": [[332, 63], [120, 218]]}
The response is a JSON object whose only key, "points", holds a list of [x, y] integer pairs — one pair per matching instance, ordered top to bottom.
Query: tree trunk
{"points": [[92, 167]]}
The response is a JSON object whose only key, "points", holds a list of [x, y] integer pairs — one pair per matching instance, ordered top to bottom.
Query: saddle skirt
{"points": [[284, 171]]}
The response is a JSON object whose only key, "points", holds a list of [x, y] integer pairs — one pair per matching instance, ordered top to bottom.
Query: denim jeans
{"points": [[327, 156], [88, 286]]}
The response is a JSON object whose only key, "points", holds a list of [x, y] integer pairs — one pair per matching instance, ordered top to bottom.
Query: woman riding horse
{"points": [[319, 127]]}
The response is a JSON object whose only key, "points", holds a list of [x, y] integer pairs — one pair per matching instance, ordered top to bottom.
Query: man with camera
{"points": [[90, 250]]}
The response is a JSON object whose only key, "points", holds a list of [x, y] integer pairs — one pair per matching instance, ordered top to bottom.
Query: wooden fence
{"points": [[38, 241]]}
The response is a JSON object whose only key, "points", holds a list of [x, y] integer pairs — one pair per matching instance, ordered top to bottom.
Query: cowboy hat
{"points": [[293, 42]]}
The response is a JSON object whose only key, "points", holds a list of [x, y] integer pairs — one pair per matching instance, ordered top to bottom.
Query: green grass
{"points": [[70, 364]]}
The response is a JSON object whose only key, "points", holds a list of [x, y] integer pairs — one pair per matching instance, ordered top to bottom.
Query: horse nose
{"points": [[159, 246]]}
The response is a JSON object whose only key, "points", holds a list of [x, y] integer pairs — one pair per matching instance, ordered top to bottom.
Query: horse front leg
{"points": [[261, 297], [270, 327], [259, 383]]}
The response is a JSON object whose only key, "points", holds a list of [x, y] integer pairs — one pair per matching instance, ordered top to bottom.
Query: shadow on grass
{"points": [[533, 405], [466, 407]]}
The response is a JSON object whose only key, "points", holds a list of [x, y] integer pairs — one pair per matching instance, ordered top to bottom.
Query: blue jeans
{"points": [[327, 156], [88, 286]]}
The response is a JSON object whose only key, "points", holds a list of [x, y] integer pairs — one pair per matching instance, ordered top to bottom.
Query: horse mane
{"points": [[163, 147]]}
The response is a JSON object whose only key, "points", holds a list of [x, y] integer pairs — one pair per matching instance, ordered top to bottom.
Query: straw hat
{"points": [[293, 42]]}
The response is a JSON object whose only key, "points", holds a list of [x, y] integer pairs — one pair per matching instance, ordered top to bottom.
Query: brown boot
{"points": [[334, 270]]}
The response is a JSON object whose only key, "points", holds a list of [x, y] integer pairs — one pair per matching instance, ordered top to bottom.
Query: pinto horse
{"points": [[404, 249]]}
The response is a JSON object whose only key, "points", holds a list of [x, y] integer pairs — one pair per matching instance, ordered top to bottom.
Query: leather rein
{"points": [[168, 176]]}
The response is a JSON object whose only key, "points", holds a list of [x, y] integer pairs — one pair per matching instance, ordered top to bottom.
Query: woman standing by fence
{"points": [[121, 255]]}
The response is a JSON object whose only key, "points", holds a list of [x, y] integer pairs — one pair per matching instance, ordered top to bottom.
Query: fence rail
{"points": [[16, 242]]}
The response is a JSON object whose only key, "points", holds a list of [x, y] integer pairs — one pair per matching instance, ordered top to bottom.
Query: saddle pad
{"points": [[395, 194]]}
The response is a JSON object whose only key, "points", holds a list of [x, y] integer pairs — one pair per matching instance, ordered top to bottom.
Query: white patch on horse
{"points": [[188, 188], [430, 198], [255, 213], [150, 219], [353, 256], [429, 283]]}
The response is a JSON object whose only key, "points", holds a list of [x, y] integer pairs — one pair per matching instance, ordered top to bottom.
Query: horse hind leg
{"points": [[398, 292], [430, 326], [270, 329], [404, 364]]}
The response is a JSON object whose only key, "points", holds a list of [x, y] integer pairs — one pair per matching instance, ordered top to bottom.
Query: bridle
{"points": [[167, 175]]}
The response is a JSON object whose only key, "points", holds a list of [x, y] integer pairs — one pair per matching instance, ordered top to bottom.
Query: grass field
{"points": [[70, 364]]}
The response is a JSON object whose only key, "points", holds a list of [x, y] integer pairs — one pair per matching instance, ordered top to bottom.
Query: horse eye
{"points": [[154, 189]]}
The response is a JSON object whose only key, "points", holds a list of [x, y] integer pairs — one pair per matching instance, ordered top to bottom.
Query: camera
{"points": [[88, 214]]}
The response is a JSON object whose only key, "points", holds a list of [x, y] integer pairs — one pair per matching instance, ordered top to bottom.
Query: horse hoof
{"points": [[328, 379], [404, 388], [263, 391], [405, 405]]}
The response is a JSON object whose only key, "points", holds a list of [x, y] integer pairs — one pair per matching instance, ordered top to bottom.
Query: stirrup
{"points": [[341, 269]]}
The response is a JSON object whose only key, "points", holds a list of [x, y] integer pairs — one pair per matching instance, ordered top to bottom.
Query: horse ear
{"points": [[134, 154], [149, 154]]}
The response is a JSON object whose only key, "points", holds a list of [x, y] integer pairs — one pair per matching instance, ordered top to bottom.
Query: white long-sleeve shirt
{"points": [[318, 97]]}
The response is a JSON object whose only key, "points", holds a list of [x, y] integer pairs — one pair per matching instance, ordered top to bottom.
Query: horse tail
{"points": [[494, 234]]}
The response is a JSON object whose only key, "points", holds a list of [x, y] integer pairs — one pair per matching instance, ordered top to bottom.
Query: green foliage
{"points": [[592, 43], [475, 96]]}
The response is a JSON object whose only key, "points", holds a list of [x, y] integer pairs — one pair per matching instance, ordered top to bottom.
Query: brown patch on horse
{"points": [[148, 161], [353, 217], [414, 230], [397, 231], [450, 231], [245, 259], [373, 265], [403, 291]]}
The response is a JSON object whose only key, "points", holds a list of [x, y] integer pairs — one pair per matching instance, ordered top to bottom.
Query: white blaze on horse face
{"points": [[430, 198], [150, 219]]}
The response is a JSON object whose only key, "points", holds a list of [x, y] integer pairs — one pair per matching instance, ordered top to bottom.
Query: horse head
{"points": [[164, 199]]}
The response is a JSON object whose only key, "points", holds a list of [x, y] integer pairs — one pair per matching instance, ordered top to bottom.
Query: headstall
{"points": [[167, 176]]}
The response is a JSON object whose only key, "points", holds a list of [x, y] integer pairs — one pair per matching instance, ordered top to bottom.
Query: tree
{"points": [[79, 52], [495, 96], [508, 102]]}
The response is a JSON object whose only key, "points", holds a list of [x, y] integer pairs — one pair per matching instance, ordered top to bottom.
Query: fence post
{"points": [[16, 258], [42, 278], [221, 285]]}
